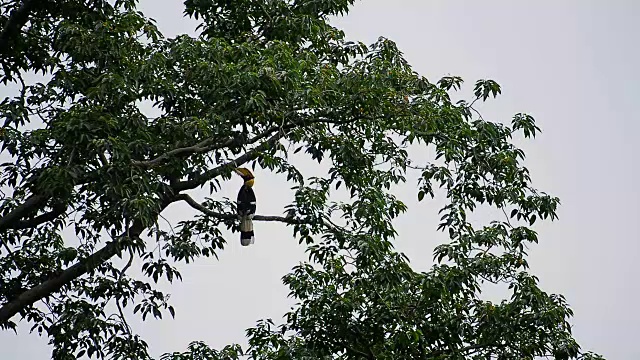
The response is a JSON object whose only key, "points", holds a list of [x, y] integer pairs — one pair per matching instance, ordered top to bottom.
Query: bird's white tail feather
{"points": [[246, 224], [246, 231]]}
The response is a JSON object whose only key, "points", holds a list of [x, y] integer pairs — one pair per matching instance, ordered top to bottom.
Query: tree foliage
{"points": [[262, 77]]}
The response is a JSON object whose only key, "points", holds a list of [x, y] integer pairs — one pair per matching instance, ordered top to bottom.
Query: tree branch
{"points": [[16, 21], [209, 145], [202, 147], [201, 179], [194, 204], [58, 209], [13, 217], [283, 219], [13, 220], [122, 272], [46, 288], [29, 297], [437, 353]]}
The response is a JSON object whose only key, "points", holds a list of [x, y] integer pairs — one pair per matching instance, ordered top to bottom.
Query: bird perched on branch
{"points": [[246, 206]]}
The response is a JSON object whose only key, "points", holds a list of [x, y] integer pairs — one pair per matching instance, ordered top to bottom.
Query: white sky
{"points": [[571, 64]]}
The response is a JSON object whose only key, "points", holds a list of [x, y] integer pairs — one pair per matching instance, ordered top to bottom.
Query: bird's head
{"points": [[246, 175]]}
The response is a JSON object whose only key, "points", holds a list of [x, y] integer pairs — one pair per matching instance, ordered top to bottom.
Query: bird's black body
{"points": [[246, 203]]}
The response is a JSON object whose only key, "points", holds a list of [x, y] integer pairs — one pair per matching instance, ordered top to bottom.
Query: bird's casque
{"points": [[246, 204]]}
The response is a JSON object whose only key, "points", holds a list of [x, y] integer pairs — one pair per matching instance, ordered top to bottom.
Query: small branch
{"points": [[476, 111], [208, 145], [103, 158], [194, 204], [283, 219], [11, 255], [437, 353]]}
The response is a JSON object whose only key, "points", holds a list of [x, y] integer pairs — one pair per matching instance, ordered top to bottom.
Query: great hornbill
{"points": [[246, 203]]}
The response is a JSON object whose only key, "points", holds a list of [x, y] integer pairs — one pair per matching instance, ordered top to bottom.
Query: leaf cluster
{"points": [[88, 175]]}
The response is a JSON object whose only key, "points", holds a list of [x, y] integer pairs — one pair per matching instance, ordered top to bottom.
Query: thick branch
{"points": [[16, 21], [203, 147], [253, 154], [57, 210], [14, 217], [283, 219], [48, 287], [29, 297]]}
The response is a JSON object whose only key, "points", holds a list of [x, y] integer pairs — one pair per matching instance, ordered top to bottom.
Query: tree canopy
{"points": [[262, 79]]}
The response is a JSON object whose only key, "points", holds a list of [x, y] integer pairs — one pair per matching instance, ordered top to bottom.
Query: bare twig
{"points": [[203, 146], [122, 272]]}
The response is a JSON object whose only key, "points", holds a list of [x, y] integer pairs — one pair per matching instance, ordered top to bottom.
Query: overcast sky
{"points": [[572, 64]]}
